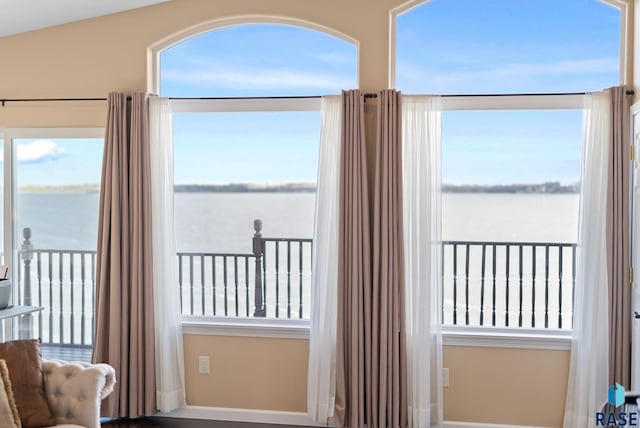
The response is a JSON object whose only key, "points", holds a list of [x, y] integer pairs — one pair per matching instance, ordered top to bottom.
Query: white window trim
{"points": [[514, 102], [288, 104], [247, 105], [13, 133], [250, 327], [492, 337], [516, 337]]}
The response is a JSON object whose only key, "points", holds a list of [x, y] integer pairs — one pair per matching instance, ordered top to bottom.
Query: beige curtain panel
{"points": [[618, 240], [354, 266], [124, 296], [371, 376], [387, 400]]}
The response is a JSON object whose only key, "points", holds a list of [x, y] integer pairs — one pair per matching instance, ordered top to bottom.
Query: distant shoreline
{"points": [[246, 188], [536, 188], [546, 188]]}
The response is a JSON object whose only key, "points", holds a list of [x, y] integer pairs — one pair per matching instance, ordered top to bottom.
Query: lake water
{"points": [[223, 223]]}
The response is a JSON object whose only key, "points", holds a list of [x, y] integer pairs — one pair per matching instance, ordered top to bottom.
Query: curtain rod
{"points": [[542, 94], [367, 95], [19, 100], [22, 100]]}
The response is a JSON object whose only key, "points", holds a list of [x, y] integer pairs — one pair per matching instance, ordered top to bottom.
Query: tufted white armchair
{"points": [[75, 390]]}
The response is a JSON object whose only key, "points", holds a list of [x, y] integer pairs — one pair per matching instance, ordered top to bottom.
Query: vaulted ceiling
{"points": [[18, 16]]}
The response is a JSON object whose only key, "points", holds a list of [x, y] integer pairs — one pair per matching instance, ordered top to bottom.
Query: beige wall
{"points": [[93, 57], [247, 372], [489, 385], [506, 386]]}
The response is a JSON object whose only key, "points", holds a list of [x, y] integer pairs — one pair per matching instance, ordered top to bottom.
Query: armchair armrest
{"points": [[75, 390]]}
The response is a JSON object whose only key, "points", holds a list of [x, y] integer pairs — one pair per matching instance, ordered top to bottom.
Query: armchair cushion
{"points": [[25, 372], [75, 390], [8, 410]]}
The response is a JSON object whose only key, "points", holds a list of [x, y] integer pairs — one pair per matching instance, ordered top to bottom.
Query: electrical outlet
{"points": [[203, 364], [445, 378]]}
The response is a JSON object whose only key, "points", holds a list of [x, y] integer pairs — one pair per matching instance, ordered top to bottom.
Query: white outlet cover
{"points": [[203, 365], [445, 378]]}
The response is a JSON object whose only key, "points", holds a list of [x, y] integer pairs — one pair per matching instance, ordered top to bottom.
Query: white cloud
{"points": [[335, 58], [586, 66], [500, 76], [258, 79], [37, 151]]}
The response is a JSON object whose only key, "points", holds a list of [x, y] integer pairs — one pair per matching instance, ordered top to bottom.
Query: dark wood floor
{"points": [[156, 422]]}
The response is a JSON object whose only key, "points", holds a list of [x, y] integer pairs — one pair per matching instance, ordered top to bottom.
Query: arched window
{"points": [[503, 46], [255, 60], [246, 135], [511, 162]]}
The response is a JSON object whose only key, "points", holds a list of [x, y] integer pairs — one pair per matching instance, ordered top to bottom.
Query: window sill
{"points": [[248, 327], [451, 336], [507, 338]]}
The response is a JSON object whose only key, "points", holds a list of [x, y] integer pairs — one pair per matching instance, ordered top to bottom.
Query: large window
{"points": [[238, 160], [511, 164], [232, 169], [510, 216]]}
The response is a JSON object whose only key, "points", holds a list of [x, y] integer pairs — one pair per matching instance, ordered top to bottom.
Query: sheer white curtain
{"points": [[422, 143], [168, 327], [589, 365], [321, 387]]}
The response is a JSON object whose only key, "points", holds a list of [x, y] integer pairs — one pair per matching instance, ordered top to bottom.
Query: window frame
{"points": [[9, 135], [10, 244], [236, 325], [246, 326], [495, 336], [526, 338]]}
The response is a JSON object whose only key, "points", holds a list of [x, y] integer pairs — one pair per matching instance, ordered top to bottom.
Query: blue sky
{"points": [[508, 46], [443, 47], [259, 60], [250, 147], [505, 147], [54, 162]]}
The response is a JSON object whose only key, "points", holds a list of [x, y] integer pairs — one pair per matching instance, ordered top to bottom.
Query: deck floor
{"points": [[66, 353]]}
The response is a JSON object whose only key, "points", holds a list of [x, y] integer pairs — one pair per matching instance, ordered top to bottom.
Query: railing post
{"points": [[258, 251], [26, 253]]}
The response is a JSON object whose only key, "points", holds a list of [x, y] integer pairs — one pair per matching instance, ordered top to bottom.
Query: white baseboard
{"points": [[242, 415], [285, 418], [451, 424]]}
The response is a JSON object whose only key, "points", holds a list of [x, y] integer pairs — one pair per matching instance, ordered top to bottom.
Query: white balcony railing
{"points": [[501, 284]]}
